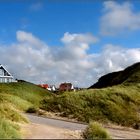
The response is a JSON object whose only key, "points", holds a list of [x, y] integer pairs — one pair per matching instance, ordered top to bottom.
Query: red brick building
{"points": [[66, 87]]}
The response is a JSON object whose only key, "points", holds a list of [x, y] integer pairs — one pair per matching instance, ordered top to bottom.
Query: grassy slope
{"points": [[26, 91], [15, 97], [118, 104]]}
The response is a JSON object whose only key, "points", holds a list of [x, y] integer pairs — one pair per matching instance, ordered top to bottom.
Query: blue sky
{"points": [[49, 21]]}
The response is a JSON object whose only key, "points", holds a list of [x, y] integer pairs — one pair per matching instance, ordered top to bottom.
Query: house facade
{"points": [[5, 76], [66, 87], [51, 88]]}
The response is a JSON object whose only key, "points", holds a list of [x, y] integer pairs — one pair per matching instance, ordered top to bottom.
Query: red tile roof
{"points": [[44, 85]]}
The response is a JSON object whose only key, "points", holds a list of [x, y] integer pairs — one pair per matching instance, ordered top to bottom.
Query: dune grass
{"points": [[25, 90], [14, 98], [16, 101], [118, 104], [7, 111], [8, 117], [8, 130], [95, 131]]}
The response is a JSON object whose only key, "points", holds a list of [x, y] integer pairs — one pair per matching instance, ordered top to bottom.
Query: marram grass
{"points": [[95, 131]]}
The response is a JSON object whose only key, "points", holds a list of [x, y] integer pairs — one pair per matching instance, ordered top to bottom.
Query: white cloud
{"points": [[118, 18], [25, 37], [79, 38], [114, 58], [33, 60]]}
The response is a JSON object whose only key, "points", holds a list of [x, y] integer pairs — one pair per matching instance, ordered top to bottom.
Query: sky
{"points": [[77, 41]]}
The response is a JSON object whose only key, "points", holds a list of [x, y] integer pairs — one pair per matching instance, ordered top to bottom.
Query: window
{"points": [[1, 72]]}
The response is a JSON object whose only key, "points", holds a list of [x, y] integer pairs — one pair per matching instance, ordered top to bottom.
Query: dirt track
{"points": [[46, 128], [39, 131], [118, 132]]}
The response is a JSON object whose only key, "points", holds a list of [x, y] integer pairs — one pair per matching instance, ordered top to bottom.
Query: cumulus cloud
{"points": [[118, 18], [28, 38], [79, 38], [115, 58], [33, 60]]}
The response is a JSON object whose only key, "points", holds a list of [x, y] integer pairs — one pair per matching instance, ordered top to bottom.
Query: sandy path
{"points": [[47, 128], [39, 131], [123, 133]]}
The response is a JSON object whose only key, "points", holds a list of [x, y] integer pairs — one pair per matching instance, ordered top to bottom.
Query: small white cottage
{"points": [[5, 76]]}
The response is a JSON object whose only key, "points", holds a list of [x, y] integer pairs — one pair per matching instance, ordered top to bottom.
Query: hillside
{"points": [[128, 76], [120, 95], [14, 98], [104, 105]]}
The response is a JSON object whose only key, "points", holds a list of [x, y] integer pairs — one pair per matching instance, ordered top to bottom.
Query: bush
{"points": [[31, 110], [136, 126], [95, 131]]}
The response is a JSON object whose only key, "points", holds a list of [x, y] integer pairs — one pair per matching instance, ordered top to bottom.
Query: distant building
{"points": [[5, 76], [44, 86], [48, 87], [66, 87], [51, 88]]}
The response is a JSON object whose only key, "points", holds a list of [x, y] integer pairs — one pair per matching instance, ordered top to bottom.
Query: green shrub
{"points": [[31, 110], [95, 131]]}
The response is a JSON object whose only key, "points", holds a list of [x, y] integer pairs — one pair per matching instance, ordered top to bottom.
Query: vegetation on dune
{"points": [[128, 76], [26, 91], [14, 98], [16, 101], [118, 104], [31, 110], [8, 112], [8, 118], [8, 130], [95, 131]]}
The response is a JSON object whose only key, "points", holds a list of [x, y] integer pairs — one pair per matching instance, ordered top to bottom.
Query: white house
{"points": [[5, 76], [51, 88]]}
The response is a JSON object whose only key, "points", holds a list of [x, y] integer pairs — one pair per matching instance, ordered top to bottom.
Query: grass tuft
{"points": [[8, 130], [95, 131]]}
